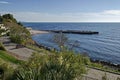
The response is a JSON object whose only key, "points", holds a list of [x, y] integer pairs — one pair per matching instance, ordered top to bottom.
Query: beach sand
{"points": [[33, 32]]}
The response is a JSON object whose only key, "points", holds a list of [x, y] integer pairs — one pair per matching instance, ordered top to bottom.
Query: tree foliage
{"points": [[9, 17], [1, 19], [19, 35], [60, 39]]}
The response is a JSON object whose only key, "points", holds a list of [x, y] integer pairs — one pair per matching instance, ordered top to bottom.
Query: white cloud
{"points": [[4, 2], [112, 12], [104, 16]]}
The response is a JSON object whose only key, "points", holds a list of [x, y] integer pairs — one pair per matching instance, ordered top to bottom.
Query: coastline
{"points": [[34, 32], [103, 63]]}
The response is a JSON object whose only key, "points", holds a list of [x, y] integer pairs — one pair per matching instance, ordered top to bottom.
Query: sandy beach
{"points": [[33, 32]]}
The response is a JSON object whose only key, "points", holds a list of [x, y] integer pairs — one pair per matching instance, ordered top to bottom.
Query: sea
{"points": [[104, 46]]}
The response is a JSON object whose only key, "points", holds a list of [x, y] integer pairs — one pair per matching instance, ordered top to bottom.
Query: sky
{"points": [[62, 10]]}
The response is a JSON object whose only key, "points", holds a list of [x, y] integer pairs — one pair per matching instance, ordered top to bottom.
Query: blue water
{"points": [[104, 46]]}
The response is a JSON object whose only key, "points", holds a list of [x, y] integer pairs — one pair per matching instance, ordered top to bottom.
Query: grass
{"points": [[34, 48], [7, 57], [92, 65], [104, 68]]}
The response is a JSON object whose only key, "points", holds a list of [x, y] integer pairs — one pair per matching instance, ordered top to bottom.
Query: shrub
{"points": [[19, 35], [16, 39], [60, 39], [2, 47], [58, 66], [6, 71]]}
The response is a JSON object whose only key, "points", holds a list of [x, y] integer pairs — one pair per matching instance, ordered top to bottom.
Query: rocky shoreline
{"points": [[112, 65]]}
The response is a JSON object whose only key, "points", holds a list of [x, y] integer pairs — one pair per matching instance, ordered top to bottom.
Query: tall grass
{"points": [[2, 47], [7, 57], [57, 66]]}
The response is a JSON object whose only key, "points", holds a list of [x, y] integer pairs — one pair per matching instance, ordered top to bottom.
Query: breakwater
{"points": [[74, 31]]}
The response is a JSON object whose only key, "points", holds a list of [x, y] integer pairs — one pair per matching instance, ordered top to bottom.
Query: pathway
{"points": [[21, 53]]}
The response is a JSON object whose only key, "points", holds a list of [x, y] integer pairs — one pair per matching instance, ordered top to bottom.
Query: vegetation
{"points": [[1, 19], [8, 19], [1, 31], [18, 33], [60, 39], [2, 47], [37, 49], [9, 58], [50, 65], [61, 65], [57, 66], [104, 68], [6, 70], [105, 77]]}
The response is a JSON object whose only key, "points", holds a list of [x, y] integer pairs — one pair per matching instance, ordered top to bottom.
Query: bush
{"points": [[19, 35], [16, 39], [60, 39], [2, 47], [59, 66], [6, 71]]}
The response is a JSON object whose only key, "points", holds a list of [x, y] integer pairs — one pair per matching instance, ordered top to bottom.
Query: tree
{"points": [[9, 17], [1, 19], [19, 23], [60, 39]]}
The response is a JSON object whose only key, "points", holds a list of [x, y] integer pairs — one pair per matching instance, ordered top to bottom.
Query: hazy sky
{"points": [[63, 10]]}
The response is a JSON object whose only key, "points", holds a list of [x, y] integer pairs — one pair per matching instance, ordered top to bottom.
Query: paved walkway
{"points": [[21, 53], [94, 74]]}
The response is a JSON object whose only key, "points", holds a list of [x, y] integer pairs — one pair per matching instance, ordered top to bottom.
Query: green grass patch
{"points": [[33, 47], [7, 57], [99, 66]]}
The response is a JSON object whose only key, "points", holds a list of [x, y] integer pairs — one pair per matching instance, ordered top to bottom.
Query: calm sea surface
{"points": [[104, 46]]}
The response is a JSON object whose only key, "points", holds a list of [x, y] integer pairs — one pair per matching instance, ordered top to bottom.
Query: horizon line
{"points": [[64, 22]]}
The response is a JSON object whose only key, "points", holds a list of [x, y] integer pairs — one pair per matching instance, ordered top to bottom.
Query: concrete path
{"points": [[21, 53], [94, 74]]}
